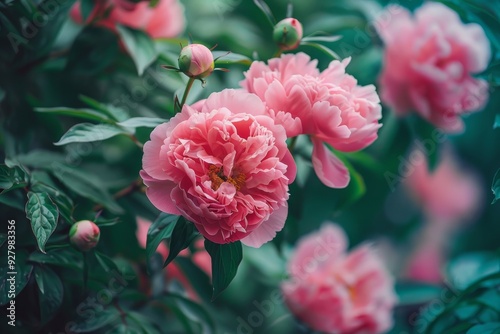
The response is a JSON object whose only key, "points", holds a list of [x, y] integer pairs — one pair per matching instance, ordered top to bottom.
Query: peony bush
{"points": [[175, 166]]}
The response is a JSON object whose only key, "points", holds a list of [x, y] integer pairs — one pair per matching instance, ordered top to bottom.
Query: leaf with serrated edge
{"points": [[43, 214]]}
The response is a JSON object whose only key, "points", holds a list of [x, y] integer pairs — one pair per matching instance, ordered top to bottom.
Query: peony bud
{"points": [[288, 33], [196, 61], [84, 235]]}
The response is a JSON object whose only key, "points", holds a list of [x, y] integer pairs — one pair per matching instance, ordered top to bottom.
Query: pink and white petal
{"points": [[329, 169], [159, 192], [268, 229]]}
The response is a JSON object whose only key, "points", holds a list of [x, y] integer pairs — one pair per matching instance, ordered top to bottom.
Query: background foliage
{"points": [[58, 76]]}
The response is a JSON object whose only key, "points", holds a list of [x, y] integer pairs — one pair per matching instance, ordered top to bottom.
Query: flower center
{"points": [[216, 175]]}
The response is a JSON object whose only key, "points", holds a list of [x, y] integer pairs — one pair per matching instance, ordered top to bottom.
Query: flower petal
{"points": [[329, 169], [268, 229]]}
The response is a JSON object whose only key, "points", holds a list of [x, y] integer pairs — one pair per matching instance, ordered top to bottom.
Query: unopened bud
{"points": [[288, 33], [196, 61], [84, 235]]}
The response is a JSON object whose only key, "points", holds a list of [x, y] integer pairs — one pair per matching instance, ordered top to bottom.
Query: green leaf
{"points": [[86, 7], [266, 11], [321, 38], [140, 47], [322, 48], [92, 51], [228, 58], [115, 113], [89, 114], [137, 122], [497, 122], [87, 132], [36, 158], [12, 178], [85, 185], [495, 187], [63, 202], [43, 214], [103, 222], [160, 230], [183, 234], [3, 238], [66, 257], [225, 261], [106, 262], [464, 270], [17, 275], [197, 277], [51, 292], [414, 293], [195, 313], [99, 319], [489, 328]]}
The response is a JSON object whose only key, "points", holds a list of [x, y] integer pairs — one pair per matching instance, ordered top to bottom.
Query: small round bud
{"points": [[288, 33], [196, 61], [84, 235]]}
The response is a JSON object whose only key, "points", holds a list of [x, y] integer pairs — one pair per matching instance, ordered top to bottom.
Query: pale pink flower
{"points": [[166, 20], [429, 59], [329, 106], [225, 167], [448, 195], [333, 291]]}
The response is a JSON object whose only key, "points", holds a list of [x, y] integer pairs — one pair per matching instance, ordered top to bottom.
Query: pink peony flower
{"points": [[166, 20], [429, 59], [196, 61], [329, 106], [224, 166], [449, 195], [84, 235], [335, 292]]}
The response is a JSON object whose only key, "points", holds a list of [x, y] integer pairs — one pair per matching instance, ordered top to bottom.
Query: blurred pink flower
{"points": [[166, 20], [429, 59], [329, 106], [224, 166], [449, 194], [426, 262], [333, 291]]}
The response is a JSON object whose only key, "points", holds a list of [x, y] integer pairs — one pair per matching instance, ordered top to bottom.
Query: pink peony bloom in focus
{"points": [[166, 20], [429, 59], [329, 106], [224, 166], [448, 195], [333, 291]]}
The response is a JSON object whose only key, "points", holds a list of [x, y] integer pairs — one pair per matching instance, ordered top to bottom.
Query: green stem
{"points": [[186, 91], [85, 273]]}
